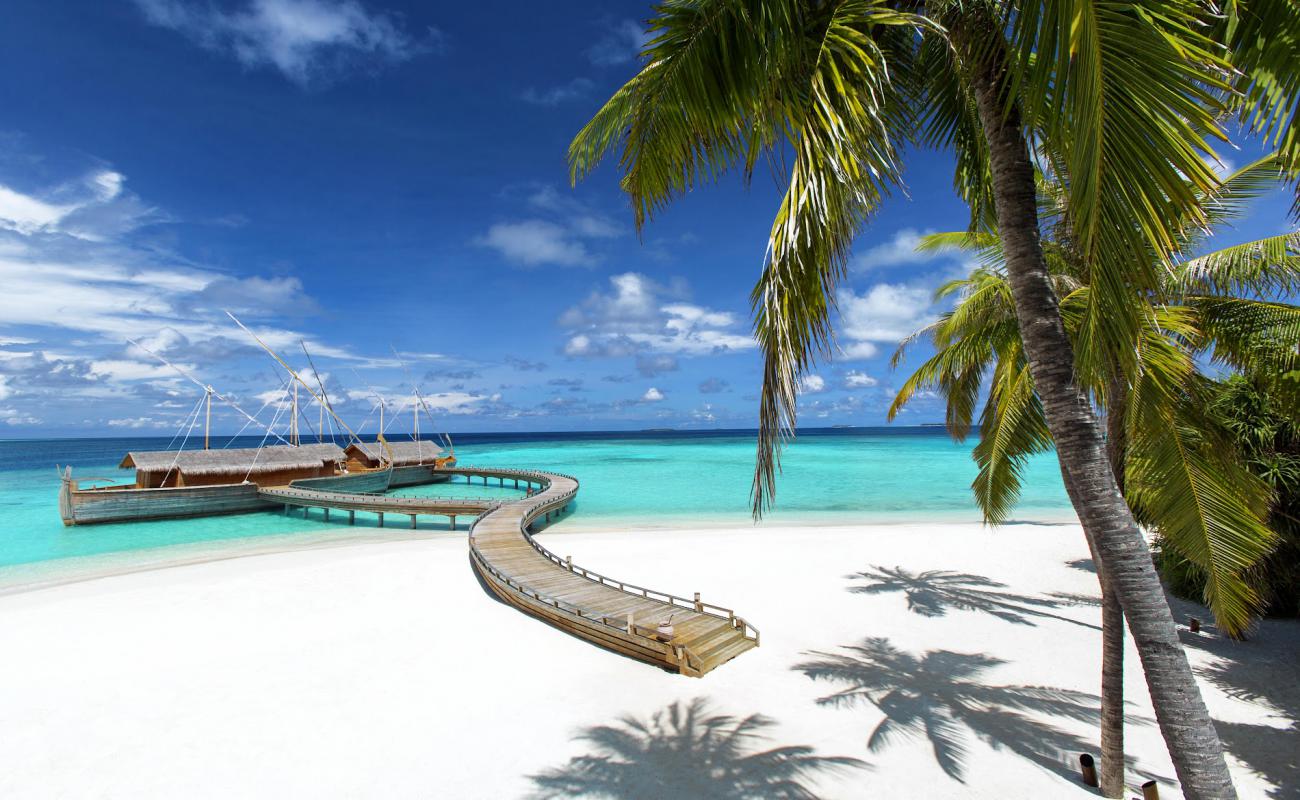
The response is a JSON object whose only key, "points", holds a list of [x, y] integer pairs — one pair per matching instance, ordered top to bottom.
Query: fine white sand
{"points": [[382, 669]]}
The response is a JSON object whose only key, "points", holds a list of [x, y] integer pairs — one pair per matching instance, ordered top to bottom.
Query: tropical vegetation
{"points": [[1118, 97]]}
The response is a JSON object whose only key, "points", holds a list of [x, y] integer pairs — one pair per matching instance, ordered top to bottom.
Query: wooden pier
{"points": [[614, 614]]}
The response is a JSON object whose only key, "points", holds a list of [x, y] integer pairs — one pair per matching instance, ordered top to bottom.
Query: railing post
{"points": [[352, 517], [381, 519], [453, 521], [568, 563], [698, 605], [631, 626]]}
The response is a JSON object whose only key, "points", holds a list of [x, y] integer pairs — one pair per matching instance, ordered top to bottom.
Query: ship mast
{"points": [[299, 380], [208, 388], [325, 397], [420, 397], [207, 420], [293, 420]]}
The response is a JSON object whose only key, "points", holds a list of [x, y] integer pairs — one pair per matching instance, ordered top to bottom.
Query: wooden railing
{"points": [[545, 504]]}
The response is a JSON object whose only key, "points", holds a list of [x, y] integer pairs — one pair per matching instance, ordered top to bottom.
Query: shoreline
{"points": [[37, 575]]}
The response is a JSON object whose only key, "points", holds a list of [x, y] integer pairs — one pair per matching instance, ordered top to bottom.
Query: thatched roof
{"points": [[405, 454], [242, 460]]}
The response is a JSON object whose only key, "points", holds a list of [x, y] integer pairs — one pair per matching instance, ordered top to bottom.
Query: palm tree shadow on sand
{"points": [[934, 592], [1263, 671], [939, 695], [686, 750]]}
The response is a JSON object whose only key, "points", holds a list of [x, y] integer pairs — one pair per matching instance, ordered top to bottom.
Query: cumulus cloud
{"points": [[305, 40], [622, 42], [562, 234], [534, 242], [899, 250], [884, 314], [639, 316], [858, 380], [812, 384], [652, 395]]}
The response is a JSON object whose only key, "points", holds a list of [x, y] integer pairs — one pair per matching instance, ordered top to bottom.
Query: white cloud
{"points": [[306, 40], [620, 44], [575, 89], [94, 208], [26, 214], [560, 235], [534, 242], [899, 250], [884, 314], [639, 315], [127, 370], [858, 380], [812, 384], [5, 391], [652, 395], [10, 416], [135, 423]]}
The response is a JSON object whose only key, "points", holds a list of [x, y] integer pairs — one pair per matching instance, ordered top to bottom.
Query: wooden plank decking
{"points": [[613, 614]]}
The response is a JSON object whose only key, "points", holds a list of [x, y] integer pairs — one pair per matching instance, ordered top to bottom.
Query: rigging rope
{"points": [[194, 420]]}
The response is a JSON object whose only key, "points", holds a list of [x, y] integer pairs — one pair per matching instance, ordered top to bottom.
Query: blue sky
{"points": [[373, 177]]}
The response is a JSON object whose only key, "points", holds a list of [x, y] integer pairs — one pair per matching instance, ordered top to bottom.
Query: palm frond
{"points": [[1263, 37], [842, 134], [1260, 267], [1012, 428], [1204, 502]]}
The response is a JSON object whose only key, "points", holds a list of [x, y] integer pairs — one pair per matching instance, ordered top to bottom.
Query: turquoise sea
{"points": [[629, 480]]}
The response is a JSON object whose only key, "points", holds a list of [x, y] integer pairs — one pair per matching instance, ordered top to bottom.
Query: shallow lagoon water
{"points": [[629, 480]]}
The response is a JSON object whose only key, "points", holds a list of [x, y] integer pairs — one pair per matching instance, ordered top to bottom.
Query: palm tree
{"points": [[831, 87], [1176, 467], [687, 751]]}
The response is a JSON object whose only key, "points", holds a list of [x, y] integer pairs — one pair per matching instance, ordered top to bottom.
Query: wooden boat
{"points": [[414, 463], [190, 483]]}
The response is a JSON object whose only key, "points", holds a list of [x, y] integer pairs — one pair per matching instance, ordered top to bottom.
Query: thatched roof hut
{"points": [[405, 454], [235, 463]]}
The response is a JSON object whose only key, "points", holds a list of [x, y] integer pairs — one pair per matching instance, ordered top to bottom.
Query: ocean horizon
{"points": [[629, 480]]}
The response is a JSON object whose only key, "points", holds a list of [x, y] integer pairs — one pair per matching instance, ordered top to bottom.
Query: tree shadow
{"points": [[1082, 564], [933, 592], [1074, 599], [1264, 671], [939, 695], [687, 751]]}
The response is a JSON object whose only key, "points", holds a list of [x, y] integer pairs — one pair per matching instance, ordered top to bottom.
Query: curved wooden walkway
{"points": [[613, 614]]}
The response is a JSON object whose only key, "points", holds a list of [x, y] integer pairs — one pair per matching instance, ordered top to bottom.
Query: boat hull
{"points": [[417, 476], [377, 481], [129, 504]]}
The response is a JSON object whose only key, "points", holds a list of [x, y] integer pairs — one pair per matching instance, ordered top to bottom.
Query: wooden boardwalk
{"points": [[613, 614]]}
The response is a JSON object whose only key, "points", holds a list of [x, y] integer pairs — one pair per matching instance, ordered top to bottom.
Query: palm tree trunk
{"points": [[1124, 556], [1112, 615], [1112, 673]]}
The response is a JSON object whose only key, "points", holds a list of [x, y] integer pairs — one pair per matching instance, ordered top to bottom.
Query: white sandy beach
{"points": [[382, 669]]}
